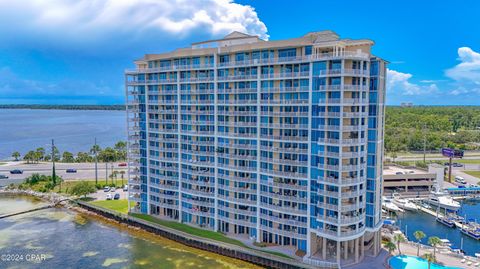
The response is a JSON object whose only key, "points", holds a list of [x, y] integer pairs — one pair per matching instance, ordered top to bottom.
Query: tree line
{"points": [[409, 129], [109, 154]]}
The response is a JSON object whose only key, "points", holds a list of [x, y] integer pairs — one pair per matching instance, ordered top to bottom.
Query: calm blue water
{"points": [[73, 130], [411, 222], [410, 262]]}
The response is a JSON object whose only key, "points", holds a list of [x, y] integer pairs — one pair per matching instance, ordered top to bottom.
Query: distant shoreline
{"points": [[65, 107]]}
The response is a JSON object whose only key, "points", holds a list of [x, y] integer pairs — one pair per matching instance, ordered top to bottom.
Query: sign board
{"points": [[452, 153]]}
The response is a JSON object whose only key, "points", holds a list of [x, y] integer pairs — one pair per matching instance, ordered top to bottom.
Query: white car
{"points": [[461, 180], [125, 188], [113, 189], [109, 196]]}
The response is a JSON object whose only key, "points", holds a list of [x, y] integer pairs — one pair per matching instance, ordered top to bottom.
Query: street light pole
{"points": [[96, 162], [54, 176]]}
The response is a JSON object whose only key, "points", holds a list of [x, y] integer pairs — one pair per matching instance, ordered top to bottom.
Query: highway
{"points": [[84, 171]]}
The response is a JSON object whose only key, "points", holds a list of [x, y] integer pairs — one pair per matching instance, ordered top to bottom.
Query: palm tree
{"points": [[16, 155], [122, 173], [419, 235], [398, 238], [434, 241], [390, 246], [429, 258]]}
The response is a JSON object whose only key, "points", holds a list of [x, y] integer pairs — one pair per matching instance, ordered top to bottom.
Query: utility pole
{"points": [[424, 142], [96, 162], [106, 173], [54, 176]]}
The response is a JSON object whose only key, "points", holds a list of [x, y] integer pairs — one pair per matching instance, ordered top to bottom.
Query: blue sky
{"points": [[75, 51]]}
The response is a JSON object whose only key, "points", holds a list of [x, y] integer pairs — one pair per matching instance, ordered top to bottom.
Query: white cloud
{"points": [[96, 19], [468, 71], [400, 82]]}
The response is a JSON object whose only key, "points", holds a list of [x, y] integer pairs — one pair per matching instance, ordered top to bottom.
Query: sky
{"points": [[75, 51]]}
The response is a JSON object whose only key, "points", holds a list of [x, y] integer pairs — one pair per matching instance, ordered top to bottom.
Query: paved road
{"points": [[84, 171]]}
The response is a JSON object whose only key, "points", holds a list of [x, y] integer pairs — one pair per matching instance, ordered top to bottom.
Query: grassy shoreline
{"points": [[121, 206]]}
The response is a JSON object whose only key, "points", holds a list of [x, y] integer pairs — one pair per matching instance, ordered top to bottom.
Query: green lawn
{"points": [[468, 161], [473, 173], [117, 205], [122, 207], [190, 230], [202, 233]]}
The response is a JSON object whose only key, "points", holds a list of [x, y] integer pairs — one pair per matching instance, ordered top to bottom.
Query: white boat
{"points": [[445, 202], [405, 204], [388, 205]]}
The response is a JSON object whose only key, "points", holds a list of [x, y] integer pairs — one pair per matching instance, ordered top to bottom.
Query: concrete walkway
{"points": [[371, 262]]}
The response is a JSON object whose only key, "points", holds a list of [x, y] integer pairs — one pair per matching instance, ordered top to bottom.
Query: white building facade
{"points": [[276, 141]]}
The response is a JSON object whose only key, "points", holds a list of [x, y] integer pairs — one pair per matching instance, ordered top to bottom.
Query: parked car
{"points": [[122, 164], [457, 165], [71, 170], [16, 171], [399, 173], [3, 177], [460, 179], [461, 186], [125, 188], [106, 189], [113, 189], [109, 196], [116, 196]]}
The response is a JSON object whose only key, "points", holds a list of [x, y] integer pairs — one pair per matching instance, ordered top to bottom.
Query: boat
{"points": [[445, 202], [405, 204], [388, 205], [449, 222], [471, 231], [445, 242]]}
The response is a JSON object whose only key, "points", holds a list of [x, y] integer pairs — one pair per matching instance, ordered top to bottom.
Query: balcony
{"points": [[344, 72], [285, 75], [237, 77], [284, 89], [286, 186], [231, 199], [232, 210], [285, 210], [284, 221], [241, 222], [291, 234]]}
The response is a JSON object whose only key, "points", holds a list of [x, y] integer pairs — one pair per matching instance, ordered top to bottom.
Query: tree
{"points": [[121, 148], [39, 154], [16, 155], [107, 155], [29, 156], [67, 157], [83, 188], [419, 235], [398, 238], [434, 241], [390, 246], [429, 258]]}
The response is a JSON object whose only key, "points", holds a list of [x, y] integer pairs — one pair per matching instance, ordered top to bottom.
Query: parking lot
{"points": [[102, 195]]}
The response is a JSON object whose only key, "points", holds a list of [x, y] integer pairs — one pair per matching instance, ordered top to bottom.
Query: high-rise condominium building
{"points": [[273, 141]]}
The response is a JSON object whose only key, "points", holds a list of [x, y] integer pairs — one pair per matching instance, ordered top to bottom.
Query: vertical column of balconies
{"points": [[133, 143], [162, 144], [198, 147], [236, 151], [283, 155], [348, 188]]}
